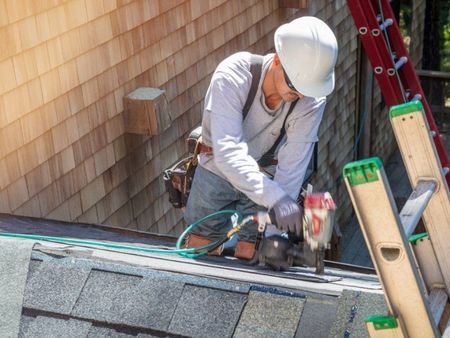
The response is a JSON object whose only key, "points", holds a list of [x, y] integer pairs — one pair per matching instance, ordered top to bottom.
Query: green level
{"points": [[405, 108], [363, 171], [414, 238], [382, 322]]}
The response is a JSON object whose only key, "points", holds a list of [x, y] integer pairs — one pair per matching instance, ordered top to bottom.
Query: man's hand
{"points": [[288, 215]]}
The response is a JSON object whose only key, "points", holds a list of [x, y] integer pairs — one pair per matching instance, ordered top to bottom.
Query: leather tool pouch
{"points": [[178, 178]]}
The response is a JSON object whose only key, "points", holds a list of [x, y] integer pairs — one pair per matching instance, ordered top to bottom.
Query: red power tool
{"points": [[281, 251]]}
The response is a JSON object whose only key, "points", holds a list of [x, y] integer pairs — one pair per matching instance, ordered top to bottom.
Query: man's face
{"points": [[284, 86]]}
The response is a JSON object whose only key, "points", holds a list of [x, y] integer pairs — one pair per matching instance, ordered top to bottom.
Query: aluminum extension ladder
{"points": [[394, 71], [416, 282]]}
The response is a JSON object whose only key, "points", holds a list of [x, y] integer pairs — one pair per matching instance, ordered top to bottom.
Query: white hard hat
{"points": [[308, 51]]}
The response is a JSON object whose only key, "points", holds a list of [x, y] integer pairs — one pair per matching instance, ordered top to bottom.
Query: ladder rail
{"points": [[409, 77], [390, 94], [392, 256]]}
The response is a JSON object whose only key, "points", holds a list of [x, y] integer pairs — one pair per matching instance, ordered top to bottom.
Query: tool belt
{"points": [[178, 178]]}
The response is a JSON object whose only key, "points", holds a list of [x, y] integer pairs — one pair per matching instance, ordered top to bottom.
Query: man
{"points": [[228, 176]]}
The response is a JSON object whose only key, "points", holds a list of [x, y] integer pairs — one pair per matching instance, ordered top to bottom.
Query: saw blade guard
{"points": [[318, 221]]}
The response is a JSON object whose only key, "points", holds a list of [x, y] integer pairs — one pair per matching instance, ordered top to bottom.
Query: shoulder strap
{"points": [[256, 70], [267, 158]]}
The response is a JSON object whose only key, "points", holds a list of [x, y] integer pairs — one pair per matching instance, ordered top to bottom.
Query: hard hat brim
{"points": [[314, 90]]}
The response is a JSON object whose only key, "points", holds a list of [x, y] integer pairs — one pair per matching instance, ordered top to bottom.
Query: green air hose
{"points": [[191, 252]]}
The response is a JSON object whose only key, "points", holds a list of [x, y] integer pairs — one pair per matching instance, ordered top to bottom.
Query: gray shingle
{"points": [[14, 261], [144, 272], [54, 288], [130, 300], [353, 308], [204, 312], [269, 315], [317, 317], [25, 322], [48, 327], [104, 332]]}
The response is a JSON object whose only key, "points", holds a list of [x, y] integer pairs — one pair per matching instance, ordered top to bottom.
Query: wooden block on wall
{"points": [[146, 111]]}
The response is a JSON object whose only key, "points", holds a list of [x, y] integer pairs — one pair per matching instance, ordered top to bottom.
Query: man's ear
{"points": [[276, 59]]}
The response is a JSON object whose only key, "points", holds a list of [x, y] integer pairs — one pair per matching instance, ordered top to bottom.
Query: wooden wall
{"points": [[66, 65]]}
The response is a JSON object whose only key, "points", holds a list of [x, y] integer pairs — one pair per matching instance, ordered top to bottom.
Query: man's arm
{"points": [[230, 152]]}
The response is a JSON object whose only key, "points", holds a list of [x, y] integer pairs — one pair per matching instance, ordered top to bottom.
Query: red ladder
{"points": [[394, 71]]}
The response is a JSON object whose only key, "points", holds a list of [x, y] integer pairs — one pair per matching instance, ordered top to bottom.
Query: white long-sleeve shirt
{"points": [[238, 144]]}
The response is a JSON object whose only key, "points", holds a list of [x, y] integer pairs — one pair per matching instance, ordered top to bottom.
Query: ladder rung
{"points": [[388, 22], [403, 60], [417, 97], [416, 204], [438, 299]]}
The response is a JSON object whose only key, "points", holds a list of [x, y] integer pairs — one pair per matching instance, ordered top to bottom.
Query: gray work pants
{"points": [[211, 193]]}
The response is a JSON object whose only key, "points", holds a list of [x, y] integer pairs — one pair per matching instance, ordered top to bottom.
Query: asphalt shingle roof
{"points": [[71, 292]]}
